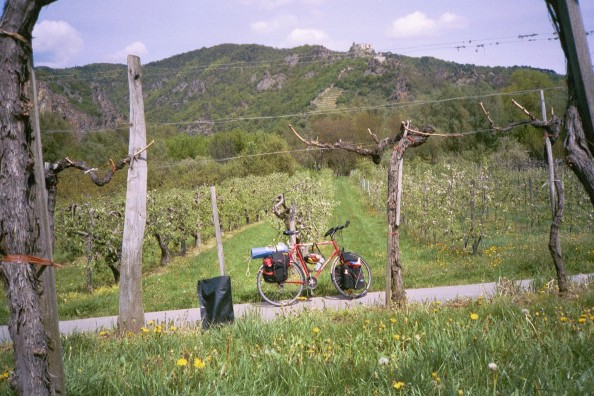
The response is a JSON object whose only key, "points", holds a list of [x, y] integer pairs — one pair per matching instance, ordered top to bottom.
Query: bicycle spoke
{"points": [[284, 293]]}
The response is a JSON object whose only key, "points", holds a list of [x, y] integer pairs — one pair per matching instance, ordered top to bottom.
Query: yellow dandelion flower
{"points": [[474, 316], [563, 319], [392, 320], [582, 320], [367, 321], [150, 323], [173, 328], [144, 330], [316, 330], [102, 333], [396, 337], [182, 362], [199, 363], [434, 375], [4, 376], [398, 384]]}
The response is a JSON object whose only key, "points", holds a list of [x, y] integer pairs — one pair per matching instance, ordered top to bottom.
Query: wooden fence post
{"points": [[550, 159], [217, 227], [48, 298], [131, 311]]}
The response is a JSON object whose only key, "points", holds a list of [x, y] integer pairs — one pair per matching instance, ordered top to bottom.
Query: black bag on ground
{"points": [[276, 267], [352, 277], [216, 302]]}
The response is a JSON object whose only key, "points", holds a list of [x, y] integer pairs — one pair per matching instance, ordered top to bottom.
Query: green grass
{"points": [[513, 256], [519, 344]]}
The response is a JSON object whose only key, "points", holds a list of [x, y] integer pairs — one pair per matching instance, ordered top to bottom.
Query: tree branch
{"points": [[552, 127], [375, 153], [66, 163]]}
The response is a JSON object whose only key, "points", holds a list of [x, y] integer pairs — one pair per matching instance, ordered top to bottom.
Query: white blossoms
{"points": [[383, 361], [492, 366]]}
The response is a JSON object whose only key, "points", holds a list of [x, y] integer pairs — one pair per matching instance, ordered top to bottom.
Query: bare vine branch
{"points": [[552, 127], [375, 153], [59, 166]]}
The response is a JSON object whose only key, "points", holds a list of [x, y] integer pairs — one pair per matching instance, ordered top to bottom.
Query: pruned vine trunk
{"points": [[579, 115], [579, 156], [286, 214], [394, 265], [398, 295]]}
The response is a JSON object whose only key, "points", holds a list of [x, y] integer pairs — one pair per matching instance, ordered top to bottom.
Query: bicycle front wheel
{"points": [[359, 281], [283, 293]]}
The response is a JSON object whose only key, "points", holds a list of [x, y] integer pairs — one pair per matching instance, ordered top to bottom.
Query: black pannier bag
{"points": [[276, 267], [338, 275], [352, 277]]}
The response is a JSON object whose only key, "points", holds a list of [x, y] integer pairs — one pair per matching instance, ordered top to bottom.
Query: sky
{"points": [[491, 33]]}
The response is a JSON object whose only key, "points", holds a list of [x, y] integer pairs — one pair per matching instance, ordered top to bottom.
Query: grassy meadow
{"points": [[512, 344]]}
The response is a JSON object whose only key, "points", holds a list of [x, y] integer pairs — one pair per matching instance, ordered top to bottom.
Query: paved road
{"points": [[191, 316]]}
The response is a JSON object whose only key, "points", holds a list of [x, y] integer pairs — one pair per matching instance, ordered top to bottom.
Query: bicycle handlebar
{"points": [[333, 230], [329, 233]]}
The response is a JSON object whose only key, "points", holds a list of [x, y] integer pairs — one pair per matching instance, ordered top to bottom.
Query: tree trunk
{"points": [[579, 157], [18, 233], [197, 238], [554, 241], [184, 247], [90, 248], [165, 253], [115, 271], [398, 294]]}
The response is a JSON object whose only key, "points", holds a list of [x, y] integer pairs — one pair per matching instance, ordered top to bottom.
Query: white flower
{"points": [[525, 312], [383, 361], [492, 366]]}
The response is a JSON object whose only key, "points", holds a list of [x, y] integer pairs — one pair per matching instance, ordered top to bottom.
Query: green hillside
{"points": [[231, 81]]}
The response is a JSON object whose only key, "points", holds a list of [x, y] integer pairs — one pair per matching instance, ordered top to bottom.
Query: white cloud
{"points": [[266, 4], [449, 20], [273, 24], [418, 24], [307, 36], [56, 43], [136, 48]]}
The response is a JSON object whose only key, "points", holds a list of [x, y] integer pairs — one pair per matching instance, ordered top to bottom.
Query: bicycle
{"points": [[349, 272]]}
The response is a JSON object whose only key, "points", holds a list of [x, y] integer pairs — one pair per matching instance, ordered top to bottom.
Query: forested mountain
{"points": [[200, 89]]}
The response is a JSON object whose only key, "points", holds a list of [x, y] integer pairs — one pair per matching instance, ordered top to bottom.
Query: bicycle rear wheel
{"points": [[359, 286], [284, 293]]}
